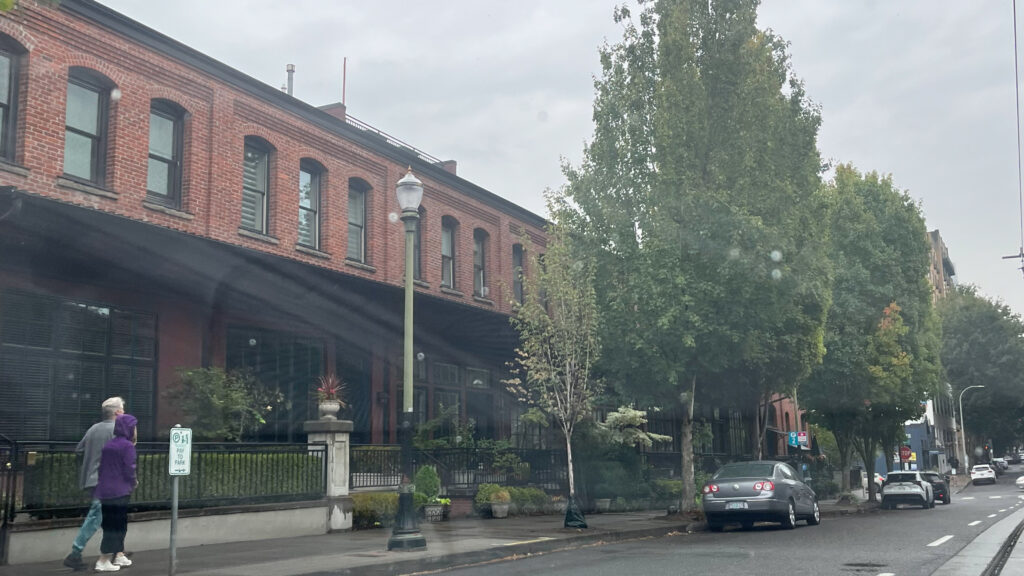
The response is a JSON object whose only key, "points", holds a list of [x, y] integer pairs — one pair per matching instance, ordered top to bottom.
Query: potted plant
{"points": [[328, 393], [428, 484], [499, 503], [558, 504], [446, 507]]}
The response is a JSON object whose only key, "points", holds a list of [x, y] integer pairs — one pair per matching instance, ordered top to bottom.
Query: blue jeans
{"points": [[89, 527]]}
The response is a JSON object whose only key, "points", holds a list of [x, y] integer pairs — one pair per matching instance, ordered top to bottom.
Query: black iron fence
{"points": [[379, 466], [222, 474]]}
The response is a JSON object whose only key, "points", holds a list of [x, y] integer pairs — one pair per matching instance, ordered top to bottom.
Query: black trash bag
{"points": [[573, 515]]}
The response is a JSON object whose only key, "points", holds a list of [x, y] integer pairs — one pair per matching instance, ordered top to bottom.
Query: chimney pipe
{"points": [[291, 73]]}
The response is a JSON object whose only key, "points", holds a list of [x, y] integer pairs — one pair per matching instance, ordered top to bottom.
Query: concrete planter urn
{"points": [[329, 409], [603, 504], [499, 509], [433, 512]]}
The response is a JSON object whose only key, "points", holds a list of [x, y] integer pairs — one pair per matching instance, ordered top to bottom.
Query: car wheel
{"points": [[946, 499], [932, 503], [924, 504], [815, 518], [789, 520], [747, 524], [715, 526]]}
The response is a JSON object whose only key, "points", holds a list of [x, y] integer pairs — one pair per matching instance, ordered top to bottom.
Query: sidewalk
{"points": [[453, 543]]}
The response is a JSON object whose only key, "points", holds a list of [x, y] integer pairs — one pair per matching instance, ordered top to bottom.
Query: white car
{"points": [[1001, 462], [983, 473], [1020, 482], [907, 488]]}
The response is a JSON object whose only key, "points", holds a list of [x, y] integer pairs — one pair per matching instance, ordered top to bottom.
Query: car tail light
{"points": [[767, 486], [710, 488]]}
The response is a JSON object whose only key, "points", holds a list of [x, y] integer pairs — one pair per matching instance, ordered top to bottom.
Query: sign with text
{"points": [[802, 438], [794, 440], [905, 453], [179, 461]]}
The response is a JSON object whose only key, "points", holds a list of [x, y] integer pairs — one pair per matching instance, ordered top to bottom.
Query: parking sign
{"points": [[179, 461]]}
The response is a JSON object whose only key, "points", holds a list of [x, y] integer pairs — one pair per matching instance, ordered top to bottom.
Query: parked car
{"points": [[1001, 462], [983, 473], [1020, 482], [940, 485], [907, 488], [758, 491]]}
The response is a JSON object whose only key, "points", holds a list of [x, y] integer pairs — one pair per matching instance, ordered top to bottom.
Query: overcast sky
{"points": [[920, 89]]}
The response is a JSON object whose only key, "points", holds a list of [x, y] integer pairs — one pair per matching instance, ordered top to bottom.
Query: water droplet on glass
{"points": [[393, 217], [734, 253], [776, 256], [776, 274]]}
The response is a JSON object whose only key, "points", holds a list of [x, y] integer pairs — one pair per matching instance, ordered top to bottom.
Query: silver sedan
{"points": [[758, 491]]}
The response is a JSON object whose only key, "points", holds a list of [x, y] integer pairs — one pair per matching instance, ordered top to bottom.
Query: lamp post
{"points": [[963, 436], [406, 534]]}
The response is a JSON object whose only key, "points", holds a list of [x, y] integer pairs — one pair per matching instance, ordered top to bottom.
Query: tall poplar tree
{"points": [[699, 195]]}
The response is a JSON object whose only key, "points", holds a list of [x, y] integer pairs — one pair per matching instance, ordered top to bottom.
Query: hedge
{"points": [[51, 482], [374, 510]]}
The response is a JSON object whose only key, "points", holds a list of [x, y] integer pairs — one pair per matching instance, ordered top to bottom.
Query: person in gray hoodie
{"points": [[91, 448]]}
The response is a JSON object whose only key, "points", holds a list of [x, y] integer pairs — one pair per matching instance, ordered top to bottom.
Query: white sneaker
{"points": [[122, 561], [106, 566]]}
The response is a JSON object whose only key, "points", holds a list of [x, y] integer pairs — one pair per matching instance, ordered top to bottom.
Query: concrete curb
{"points": [[449, 561]]}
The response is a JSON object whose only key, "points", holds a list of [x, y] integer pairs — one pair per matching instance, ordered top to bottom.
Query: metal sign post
{"points": [[179, 463]]}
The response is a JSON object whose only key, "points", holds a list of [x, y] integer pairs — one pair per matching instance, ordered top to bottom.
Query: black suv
{"points": [[940, 485]]}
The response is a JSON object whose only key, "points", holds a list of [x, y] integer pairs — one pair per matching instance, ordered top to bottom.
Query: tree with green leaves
{"points": [[698, 194], [882, 334], [559, 344], [983, 344]]}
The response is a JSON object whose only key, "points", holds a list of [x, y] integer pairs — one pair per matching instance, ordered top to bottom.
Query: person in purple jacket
{"points": [[116, 482]]}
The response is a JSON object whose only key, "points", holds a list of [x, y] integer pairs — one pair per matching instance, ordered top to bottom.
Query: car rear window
{"points": [[981, 468], [746, 470], [895, 477], [931, 477]]}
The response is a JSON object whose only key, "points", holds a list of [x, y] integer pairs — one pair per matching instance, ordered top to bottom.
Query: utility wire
{"points": [[1020, 187]]}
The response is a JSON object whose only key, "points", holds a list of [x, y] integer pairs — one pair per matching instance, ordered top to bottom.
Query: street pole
{"points": [[963, 436], [406, 534]]}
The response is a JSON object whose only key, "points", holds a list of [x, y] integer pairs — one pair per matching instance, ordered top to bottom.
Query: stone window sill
{"points": [[14, 168], [65, 182], [167, 210], [258, 236], [312, 252], [360, 265], [421, 283], [452, 292], [483, 300]]}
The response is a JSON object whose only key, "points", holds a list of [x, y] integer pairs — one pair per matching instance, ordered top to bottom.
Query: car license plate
{"points": [[735, 505]]}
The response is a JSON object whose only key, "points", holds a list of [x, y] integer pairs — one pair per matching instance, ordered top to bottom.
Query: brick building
{"points": [[160, 210]]}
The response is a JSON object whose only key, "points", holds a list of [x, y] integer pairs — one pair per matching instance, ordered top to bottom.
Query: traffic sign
{"points": [[802, 438], [794, 439], [905, 453], [179, 461]]}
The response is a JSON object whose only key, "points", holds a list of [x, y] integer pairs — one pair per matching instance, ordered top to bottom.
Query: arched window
{"points": [[11, 55], [85, 125], [163, 173], [311, 178], [256, 184], [358, 190], [449, 231], [480, 263], [517, 272], [786, 418]]}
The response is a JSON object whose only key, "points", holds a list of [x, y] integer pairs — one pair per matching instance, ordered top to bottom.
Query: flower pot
{"points": [[329, 409], [603, 504], [499, 509], [433, 512]]}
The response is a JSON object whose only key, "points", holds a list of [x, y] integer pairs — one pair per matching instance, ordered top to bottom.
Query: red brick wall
{"points": [[219, 118]]}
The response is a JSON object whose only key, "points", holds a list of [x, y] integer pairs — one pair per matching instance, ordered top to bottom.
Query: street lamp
{"points": [[963, 437], [406, 534]]}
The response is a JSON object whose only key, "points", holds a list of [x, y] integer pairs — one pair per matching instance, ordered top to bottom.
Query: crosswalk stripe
{"points": [[942, 540]]}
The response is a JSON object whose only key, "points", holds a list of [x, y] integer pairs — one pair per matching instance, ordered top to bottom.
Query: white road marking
{"points": [[972, 497], [994, 497], [1003, 510], [991, 515], [975, 523], [541, 539], [942, 540], [886, 574]]}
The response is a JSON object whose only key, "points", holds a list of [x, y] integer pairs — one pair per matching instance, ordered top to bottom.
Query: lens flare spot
{"points": [[392, 217]]}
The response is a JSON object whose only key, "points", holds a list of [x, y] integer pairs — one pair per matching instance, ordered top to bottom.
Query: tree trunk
{"points": [[843, 445], [867, 448], [568, 458], [689, 494]]}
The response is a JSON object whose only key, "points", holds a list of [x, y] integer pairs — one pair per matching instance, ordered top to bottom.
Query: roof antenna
{"points": [[291, 72], [344, 77]]}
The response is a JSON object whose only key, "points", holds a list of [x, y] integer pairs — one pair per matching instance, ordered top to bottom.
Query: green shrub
{"points": [[51, 481], [427, 482], [824, 487], [666, 490], [500, 497], [419, 500], [482, 501], [374, 510]]}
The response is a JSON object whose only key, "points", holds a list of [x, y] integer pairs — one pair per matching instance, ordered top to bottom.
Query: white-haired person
{"points": [[91, 448]]}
